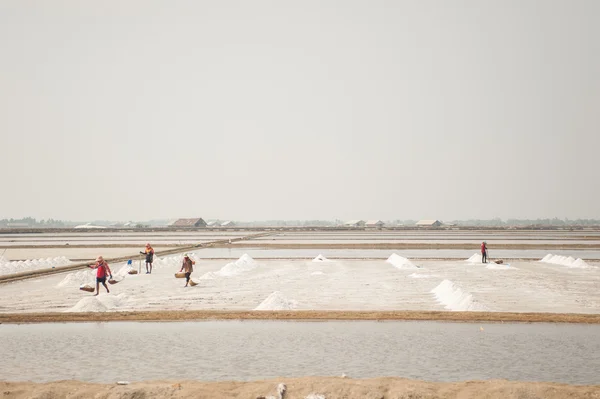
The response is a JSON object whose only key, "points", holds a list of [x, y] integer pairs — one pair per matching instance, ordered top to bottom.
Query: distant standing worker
{"points": [[149, 252], [484, 252], [188, 267], [102, 270]]}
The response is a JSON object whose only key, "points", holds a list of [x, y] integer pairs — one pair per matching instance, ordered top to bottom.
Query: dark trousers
{"points": [[484, 257], [187, 277]]}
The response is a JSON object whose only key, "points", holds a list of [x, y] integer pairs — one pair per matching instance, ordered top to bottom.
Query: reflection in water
{"points": [[243, 350]]}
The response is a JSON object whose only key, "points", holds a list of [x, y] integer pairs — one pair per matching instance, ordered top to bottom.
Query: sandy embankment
{"points": [[316, 315], [326, 387]]}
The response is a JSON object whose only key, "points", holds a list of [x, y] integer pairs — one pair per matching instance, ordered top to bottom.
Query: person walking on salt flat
{"points": [[149, 252], [484, 252], [188, 267], [102, 269]]}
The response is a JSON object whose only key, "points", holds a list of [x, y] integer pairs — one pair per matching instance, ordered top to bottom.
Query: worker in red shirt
{"points": [[484, 252], [102, 270]]}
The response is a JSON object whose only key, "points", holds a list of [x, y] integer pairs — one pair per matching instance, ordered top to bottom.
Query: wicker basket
{"points": [[132, 271], [180, 275], [112, 281], [193, 283], [87, 288]]}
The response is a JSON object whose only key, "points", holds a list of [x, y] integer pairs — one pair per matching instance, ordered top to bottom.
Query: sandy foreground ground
{"points": [[315, 315], [307, 387]]}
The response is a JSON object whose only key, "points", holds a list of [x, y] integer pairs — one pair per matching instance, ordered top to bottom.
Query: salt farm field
{"points": [[237, 277], [246, 282]]}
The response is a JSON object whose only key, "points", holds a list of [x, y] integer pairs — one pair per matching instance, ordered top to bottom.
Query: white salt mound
{"points": [[320, 258], [475, 258], [173, 261], [565, 261], [401, 262], [580, 263], [244, 264], [9, 267], [123, 271], [317, 273], [208, 276], [78, 278], [454, 298], [112, 301], [276, 301], [88, 304], [315, 396]]}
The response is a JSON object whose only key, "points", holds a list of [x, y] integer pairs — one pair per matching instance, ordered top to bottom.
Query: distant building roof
{"points": [[194, 222], [354, 222], [429, 222], [212, 223], [227, 223], [374, 223], [14, 224]]}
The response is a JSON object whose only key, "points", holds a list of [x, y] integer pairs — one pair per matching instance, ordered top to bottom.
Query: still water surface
{"points": [[244, 350]]}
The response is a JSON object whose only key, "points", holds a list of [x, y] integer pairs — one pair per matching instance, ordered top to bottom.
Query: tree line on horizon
{"points": [[496, 222]]}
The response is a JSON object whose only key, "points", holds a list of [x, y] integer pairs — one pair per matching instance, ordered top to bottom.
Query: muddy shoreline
{"points": [[300, 315], [301, 388]]}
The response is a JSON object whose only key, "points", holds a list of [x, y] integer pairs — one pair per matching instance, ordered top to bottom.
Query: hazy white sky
{"points": [[253, 110]]}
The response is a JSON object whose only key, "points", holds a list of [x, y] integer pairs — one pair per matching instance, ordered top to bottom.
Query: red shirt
{"points": [[483, 247], [101, 270]]}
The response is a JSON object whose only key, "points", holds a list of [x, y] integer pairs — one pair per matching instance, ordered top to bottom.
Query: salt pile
{"points": [[320, 258], [475, 258], [173, 261], [568, 261], [401, 262], [244, 264], [9, 267], [123, 271], [317, 273], [208, 276], [78, 278], [454, 298], [113, 301], [276, 301], [100, 303], [88, 304], [315, 396]]}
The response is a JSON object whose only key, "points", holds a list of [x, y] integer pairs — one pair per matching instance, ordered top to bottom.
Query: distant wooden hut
{"points": [[195, 222], [429, 223]]}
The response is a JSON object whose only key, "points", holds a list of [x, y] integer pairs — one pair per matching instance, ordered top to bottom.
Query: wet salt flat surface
{"points": [[433, 234], [395, 240], [139, 243], [384, 253], [73, 254], [247, 284], [247, 350]]}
